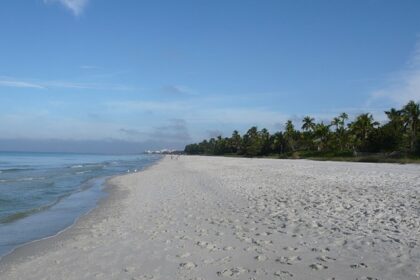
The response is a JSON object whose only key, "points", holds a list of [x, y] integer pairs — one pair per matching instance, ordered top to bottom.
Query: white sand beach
{"points": [[235, 218]]}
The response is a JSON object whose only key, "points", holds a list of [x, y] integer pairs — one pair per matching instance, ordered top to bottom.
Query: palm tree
{"points": [[394, 115], [411, 115], [343, 116], [396, 120], [339, 121], [336, 122], [308, 123], [362, 127], [308, 128], [340, 129], [322, 132], [400, 133], [264, 134], [289, 134], [235, 141], [265, 141], [252, 142], [277, 142]]}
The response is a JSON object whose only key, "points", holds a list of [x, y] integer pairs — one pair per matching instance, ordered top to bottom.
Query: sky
{"points": [[125, 76]]}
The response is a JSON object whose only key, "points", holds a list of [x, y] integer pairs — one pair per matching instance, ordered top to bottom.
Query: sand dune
{"points": [[231, 218]]}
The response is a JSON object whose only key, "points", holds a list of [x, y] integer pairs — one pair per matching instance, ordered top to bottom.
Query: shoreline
{"points": [[224, 218], [31, 248]]}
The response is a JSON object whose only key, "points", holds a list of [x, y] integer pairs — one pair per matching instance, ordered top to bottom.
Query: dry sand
{"points": [[223, 218]]}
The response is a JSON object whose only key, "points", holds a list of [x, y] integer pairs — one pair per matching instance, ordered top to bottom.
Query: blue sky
{"points": [[165, 73]]}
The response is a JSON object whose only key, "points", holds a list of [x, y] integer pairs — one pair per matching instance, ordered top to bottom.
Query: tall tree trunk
{"points": [[413, 137]]}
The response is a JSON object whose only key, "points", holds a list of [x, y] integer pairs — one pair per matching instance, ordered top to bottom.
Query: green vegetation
{"points": [[363, 139]]}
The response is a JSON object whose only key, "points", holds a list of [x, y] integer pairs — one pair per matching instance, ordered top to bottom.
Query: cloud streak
{"points": [[75, 6], [89, 67], [19, 83], [404, 85], [177, 90], [155, 106], [214, 114], [175, 131]]}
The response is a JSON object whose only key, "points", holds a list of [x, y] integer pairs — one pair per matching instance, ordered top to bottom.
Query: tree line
{"points": [[399, 135]]}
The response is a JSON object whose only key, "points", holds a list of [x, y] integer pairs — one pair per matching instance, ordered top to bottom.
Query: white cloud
{"points": [[75, 6], [89, 67], [22, 83], [19, 84], [94, 86], [403, 86], [404, 89], [177, 90], [155, 106], [195, 113], [260, 116], [46, 125], [175, 130]]}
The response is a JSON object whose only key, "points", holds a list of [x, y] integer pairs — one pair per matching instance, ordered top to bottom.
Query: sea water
{"points": [[44, 193]]}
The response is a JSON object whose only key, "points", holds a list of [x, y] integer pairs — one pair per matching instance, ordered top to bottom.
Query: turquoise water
{"points": [[43, 193]]}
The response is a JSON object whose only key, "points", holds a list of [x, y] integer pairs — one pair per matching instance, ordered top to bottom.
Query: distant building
{"points": [[164, 152]]}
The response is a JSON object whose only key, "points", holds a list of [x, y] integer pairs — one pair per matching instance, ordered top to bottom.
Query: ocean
{"points": [[43, 193]]}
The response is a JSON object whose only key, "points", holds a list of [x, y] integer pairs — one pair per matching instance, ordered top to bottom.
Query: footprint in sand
{"points": [[206, 245], [228, 248], [290, 248], [323, 250], [185, 255], [261, 258], [325, 259], [224, 260], [289, 260], [208, 261], [187, 265], [358, 265], [318, 266], [129, 269], [231, 272], [283, 273], [148, 277]]}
